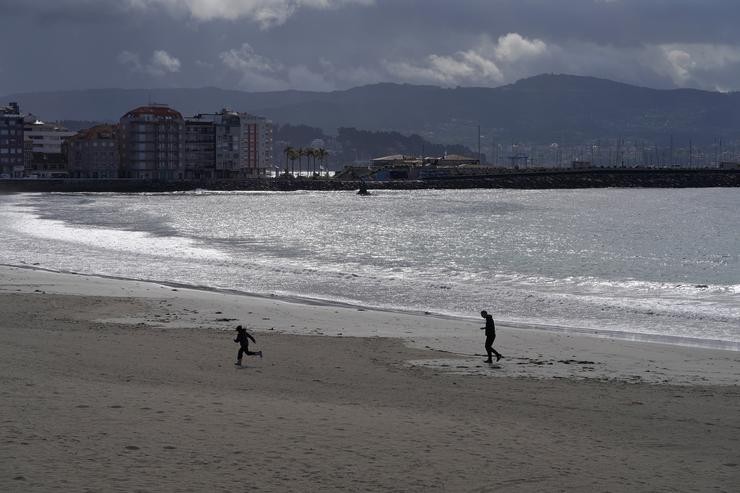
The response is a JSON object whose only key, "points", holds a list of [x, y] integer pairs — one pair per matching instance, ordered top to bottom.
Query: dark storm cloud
{"points": [[328, 44]]}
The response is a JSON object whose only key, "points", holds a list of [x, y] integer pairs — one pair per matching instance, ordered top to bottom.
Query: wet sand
{"points": [[127, 386]]}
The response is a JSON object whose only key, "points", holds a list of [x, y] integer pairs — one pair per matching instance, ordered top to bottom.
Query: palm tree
{"points": [[288, 151], [306, 151], [310, 151], [301, 152], [322, 153], [294, 154]]}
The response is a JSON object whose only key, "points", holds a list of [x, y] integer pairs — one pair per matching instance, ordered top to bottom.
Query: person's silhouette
{"points": [[490, 329], [243, 337]]}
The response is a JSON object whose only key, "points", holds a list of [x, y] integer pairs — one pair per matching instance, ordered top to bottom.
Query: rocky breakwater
{"points": [[531, 179]]}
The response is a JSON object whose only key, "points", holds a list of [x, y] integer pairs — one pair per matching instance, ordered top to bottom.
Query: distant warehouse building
{"points": [[11, 141], [152, 143], [93, 153]]}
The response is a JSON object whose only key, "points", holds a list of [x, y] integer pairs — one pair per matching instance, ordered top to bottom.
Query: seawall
{"points": [[560, 179]]}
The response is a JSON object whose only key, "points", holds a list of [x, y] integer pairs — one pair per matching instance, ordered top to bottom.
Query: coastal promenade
{"points": [[512, 179]]}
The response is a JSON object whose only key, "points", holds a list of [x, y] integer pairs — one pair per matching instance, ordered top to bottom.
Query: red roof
{"points": [[158, 110], [104, 131]]}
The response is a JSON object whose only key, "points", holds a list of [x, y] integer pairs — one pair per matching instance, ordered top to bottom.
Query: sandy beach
{"points": [[111, 385]]}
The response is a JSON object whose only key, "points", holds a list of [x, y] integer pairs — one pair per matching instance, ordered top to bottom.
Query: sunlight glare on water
{"points": [[661, 262]]}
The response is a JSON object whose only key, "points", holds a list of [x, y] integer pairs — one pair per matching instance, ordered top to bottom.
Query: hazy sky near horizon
{"points": [[335, 44]]}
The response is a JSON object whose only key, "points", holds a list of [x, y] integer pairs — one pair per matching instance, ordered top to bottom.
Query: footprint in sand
{"points": [[131, 447]]}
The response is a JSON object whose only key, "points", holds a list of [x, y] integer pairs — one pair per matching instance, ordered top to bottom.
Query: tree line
{"points": [[298, 153]]}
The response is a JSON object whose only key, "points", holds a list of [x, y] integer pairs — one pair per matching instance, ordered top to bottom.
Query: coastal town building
{"points": [[228, 132], [45, 139], [11, 141], [152, 142], [155, 142], [227, 145], [243, 145], [200, 147], [93, 153], [27, 154], [257, 158], [404, 167]]}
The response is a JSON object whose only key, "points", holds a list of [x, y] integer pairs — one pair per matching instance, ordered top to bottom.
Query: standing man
{"points": [[490, 329], [243, 337]]}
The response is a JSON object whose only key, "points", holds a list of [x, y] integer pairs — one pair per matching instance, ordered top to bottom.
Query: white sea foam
{"points": [[578, 260]]}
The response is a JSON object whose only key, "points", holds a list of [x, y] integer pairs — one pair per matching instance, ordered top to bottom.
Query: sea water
{"points": [[659, 264]]}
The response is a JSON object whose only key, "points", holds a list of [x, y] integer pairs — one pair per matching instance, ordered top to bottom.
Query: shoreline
{"points": [[670, 340], [534, 352], [130, 386]]}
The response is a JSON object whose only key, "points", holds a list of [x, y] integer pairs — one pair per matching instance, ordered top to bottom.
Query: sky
{"points": [[325, 45]]}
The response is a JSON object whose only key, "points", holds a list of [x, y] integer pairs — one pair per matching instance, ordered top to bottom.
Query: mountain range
{"points": [[540, 109]]}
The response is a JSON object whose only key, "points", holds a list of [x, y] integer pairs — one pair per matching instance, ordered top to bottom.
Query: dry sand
{"points": [[126, 386]]}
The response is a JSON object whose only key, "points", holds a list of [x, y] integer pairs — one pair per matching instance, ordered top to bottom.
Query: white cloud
{"points": [[266, 13], [513, 47], [513, 56], [245, 59], [163, 63], [160, 64], [484, 64], [691, 64], [681, 65], [464, 66], [257, 73], [260, 73]]}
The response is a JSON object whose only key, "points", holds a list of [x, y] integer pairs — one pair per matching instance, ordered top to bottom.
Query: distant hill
{"points": [[545, 108]]}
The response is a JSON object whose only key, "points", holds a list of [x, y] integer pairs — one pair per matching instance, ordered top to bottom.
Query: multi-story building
{"points": [[228, 130], [46, 140], [11, 141], [152, 142], [156, 142], [257, 144], [228, 145], [200, 147], [93, 153], [27, 154]]}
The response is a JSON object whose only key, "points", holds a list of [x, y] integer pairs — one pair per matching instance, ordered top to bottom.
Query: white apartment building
{"points": [[46, 138], [243, 145], [43, 148]]}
